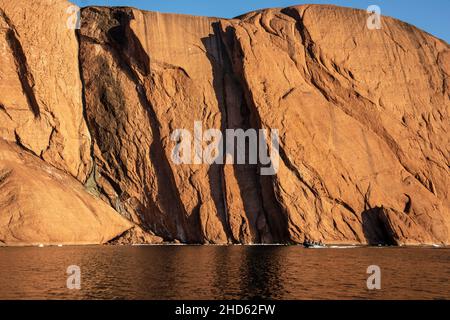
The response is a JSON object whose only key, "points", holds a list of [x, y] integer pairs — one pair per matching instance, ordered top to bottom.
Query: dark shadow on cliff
{"points": [[134, 55], [23, 70], [224, 84], [230, 90], [216, 175], [168, 215], [374, 228]]}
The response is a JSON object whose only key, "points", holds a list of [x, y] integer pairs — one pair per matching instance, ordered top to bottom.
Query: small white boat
{"points": [[314, 245], [317, 246]]}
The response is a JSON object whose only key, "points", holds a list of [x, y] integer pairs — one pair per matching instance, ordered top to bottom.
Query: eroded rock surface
{"points": [[148, 75], [40, 87], [41, 111], [362, 117], [40, 204]]}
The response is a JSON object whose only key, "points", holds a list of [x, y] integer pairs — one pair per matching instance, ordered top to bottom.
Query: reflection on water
{"points": [[210, 272]]}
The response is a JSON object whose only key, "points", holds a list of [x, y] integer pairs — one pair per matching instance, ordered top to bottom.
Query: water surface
{"points": [[216, 272]]}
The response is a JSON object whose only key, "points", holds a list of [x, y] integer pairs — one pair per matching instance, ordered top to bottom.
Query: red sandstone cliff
{"points": [[362, 118]]}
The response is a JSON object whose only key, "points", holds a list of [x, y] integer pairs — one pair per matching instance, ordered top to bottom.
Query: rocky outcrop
{"points": [[40, 89], [41, 111], [362, 117], [40, 204], [136, 235]]}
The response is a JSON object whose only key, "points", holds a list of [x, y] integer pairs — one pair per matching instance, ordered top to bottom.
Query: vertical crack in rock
{"points": [[135, 57], [134, 62], [219, 69], [23, 71], [230, 95], [3, 109], [92, 175], [275, 216]]}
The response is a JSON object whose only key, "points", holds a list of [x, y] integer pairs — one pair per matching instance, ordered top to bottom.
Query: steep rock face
{"points": [[146, 75], [40, 87], [41, 111], [362, 116], [363, 120], [40, 204]]}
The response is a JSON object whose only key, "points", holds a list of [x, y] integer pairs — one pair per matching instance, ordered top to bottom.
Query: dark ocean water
{"points": [[216, 272]]}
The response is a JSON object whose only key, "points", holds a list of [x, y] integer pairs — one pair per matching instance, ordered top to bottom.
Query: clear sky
{"points": [[432, 16]]}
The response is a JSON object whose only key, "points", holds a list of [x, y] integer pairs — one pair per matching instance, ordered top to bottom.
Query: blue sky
{"points": [[429, 15]]}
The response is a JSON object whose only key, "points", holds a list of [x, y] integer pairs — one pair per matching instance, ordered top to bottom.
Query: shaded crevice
{"points": [[132, 59], [220, 69], [23, 70], [83, 104], [3, 109], [236, 114], [21, 145], [287, 162], [4, 175], [408, 204], [346, 206], [276, 217], [350, 227], [375, 227], [119, 236]]}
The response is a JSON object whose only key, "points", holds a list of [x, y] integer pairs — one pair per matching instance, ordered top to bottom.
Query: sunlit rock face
{"points": [[40, 86], [361, 114], [44, 140], [41, 205]]}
